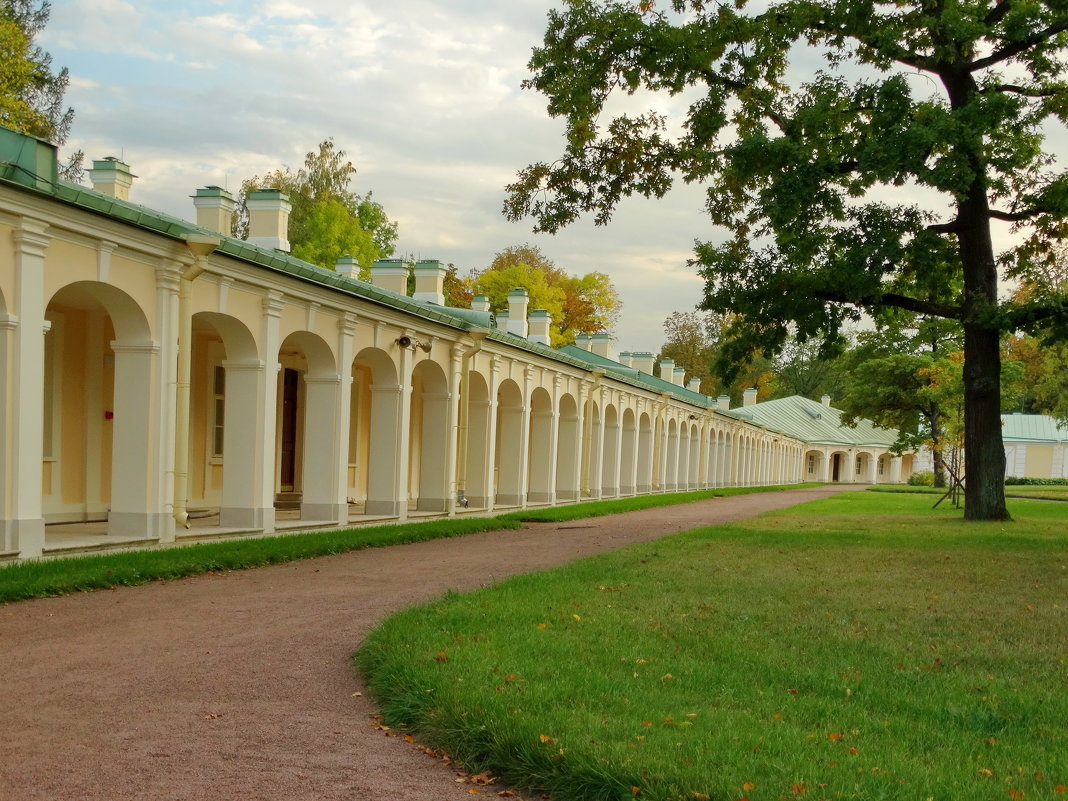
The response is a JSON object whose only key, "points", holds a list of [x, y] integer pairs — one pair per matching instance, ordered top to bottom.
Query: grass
{"points": [[1038, 492], [42, 578], [861, 647]]}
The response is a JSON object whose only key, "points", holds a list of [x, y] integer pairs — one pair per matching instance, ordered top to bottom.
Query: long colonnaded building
{"points": [[160, 379]]}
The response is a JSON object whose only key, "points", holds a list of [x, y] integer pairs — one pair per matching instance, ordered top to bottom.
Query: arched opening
{"points": [[226, 374], [306, 430], [374, 433], [428, 438], [568, 440], [591, 450], [610, 453], [102, 455], [628, 455], [671, 457], [510, 458], [815, 466], [838, 466], [864, 468], [644, 469], [694, 470], [727, 472], [882, 472], [682, 473], [474, 480], [541, 480]]}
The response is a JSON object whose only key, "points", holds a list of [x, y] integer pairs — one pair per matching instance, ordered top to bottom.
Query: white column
{"points": [[168, 276], [8, 324], [346, 326], [456, 360], [267, 407], [322, 450], [135, 510], [26, 524]]}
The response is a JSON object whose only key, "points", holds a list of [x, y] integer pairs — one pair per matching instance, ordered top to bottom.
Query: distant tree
{"points": [[31, 94], [814, 176], [329, 219], [457, 291], [580, 304], [693, 340], [802, 369]]}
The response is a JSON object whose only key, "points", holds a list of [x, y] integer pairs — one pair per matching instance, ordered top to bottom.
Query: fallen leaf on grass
{"points": [[441, 657], [834, 736], [545, 738], [986, 772], [748, 786], [798, 789], [1015, 795]]}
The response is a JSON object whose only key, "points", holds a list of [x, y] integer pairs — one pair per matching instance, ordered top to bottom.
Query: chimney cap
{"points": [[213, 191], [518, 292], [540, 314]]}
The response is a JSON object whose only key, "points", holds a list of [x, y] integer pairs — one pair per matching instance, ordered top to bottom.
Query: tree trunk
{"points": [[984, 452], [938, 457]]}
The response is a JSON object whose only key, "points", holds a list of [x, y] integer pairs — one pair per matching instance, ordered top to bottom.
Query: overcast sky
{"points": [[424, 96]]}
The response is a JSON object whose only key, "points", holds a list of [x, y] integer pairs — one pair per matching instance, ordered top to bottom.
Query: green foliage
{"points": [[31, 94], [814, 178], [329, 220], [577, 304], [922, 478], [1036, 482], [862, 647]]}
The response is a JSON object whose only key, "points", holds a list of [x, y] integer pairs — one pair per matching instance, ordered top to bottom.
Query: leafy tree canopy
{"points": [[31, 94], [871, 183], [329, 219], [578, 304]]}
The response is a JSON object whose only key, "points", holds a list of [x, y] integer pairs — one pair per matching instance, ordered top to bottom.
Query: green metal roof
{"points": [[631, 375], [811, 421], [1032, 428]]}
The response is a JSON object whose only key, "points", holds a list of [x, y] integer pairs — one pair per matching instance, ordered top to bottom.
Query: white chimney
{"points": [[110, 176], [215, 209], [268, 218], [348, 267], [391, 274], [429, 281], [518, 301], [480, 303], [501, 319], [539, 324], [583, 341], [601, 344], [625, 358], [643, 361], [667, 370], [680, 376], [694, 385], [749, 396], [826, 400], [723, 402]]}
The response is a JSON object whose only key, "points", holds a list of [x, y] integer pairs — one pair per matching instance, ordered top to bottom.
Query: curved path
{"points": [[239, 686]]}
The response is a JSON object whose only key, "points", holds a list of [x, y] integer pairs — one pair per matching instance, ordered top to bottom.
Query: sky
{"points": [[423, 96]]}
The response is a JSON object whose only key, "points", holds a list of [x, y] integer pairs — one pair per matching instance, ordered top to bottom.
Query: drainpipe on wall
{"points": [[202, 246], [479, 335], [587, 433]]}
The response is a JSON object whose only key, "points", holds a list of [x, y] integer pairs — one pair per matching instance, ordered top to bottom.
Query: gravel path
{"points": [[239, 686]]}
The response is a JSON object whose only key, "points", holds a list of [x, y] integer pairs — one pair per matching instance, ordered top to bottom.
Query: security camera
{"points": [[404, 342]]}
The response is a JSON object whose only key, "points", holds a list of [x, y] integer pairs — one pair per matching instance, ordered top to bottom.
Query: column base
{"points": [[566, 495], [540, 497], [509, 500], [477, 502], [431, 505], [383, 508], [334, 512], [242, 517], [143, 525], [25, 536]]}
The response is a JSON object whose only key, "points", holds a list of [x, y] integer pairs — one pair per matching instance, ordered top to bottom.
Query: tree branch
{"points": [[998, 12], [1016, 48], [1025, 90], [1014, 216], [893, 299]]}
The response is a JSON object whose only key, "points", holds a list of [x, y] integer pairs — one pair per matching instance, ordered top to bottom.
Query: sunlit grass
{"points": [[861, 647]]}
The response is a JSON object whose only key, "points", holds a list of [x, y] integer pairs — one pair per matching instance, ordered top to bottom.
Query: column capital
{"points": [[31, 237], [168, 275], [273, 302], [347, 323], [143, 347]]}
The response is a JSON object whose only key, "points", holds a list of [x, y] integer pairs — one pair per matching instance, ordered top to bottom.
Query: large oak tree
{"points": [[870, 182]]}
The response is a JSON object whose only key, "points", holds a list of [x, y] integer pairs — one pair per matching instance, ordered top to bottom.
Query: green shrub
{"points": [[924, 478], [1036, 482]]}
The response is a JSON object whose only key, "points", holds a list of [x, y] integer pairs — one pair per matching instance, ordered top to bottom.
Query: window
{"points": [[218, 409], [812, 463], [859, 463], [882, 465]]}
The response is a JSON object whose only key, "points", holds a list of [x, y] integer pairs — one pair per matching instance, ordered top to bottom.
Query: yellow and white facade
{"points": [[152, 369]]}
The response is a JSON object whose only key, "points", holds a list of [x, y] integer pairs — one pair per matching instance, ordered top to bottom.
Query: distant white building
{"points": [[1036, 446]]}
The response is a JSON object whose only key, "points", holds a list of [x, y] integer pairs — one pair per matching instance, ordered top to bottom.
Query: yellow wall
{"points": [[1039, 461]]}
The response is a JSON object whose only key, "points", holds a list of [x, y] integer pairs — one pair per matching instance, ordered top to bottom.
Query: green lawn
{"points": [[41, 578], [861, 647]]}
